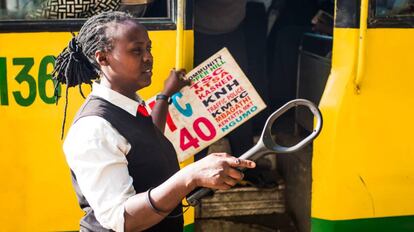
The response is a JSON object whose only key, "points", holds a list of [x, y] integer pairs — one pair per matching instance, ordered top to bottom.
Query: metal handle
{"points": [[267, 138], [267, 145], [194, 198]]}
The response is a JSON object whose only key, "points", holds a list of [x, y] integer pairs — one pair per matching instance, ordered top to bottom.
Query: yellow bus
{"points": [[362, 175], [363, 178], [37, 194]]}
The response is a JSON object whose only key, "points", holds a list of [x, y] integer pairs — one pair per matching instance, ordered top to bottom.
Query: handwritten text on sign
{"points": [[219, 99]]}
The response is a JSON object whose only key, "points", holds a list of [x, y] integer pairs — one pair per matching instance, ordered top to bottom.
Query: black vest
{"points": [[151, 160]]}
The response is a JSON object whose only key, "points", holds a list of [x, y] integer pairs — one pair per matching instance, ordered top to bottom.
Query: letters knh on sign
{"points": [[220, 99]]}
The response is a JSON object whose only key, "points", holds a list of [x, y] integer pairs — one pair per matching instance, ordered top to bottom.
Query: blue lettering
{"points": [[187, 111]]}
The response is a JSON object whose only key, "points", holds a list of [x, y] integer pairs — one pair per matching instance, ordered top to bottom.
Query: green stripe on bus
{"points": [[4, 96], [384, 224], [189, 228]]}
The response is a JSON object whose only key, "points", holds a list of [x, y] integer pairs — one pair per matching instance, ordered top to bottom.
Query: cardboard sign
{"points": [[220, 99]]}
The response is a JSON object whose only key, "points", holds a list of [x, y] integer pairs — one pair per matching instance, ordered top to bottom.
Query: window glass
{"points": [[394, 8], [75, 9]]}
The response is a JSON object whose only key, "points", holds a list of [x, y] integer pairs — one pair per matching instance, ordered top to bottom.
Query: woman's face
{"points": [[130, 59]]}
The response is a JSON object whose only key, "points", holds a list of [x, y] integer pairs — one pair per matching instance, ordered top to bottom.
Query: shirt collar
{"points": [[116, 98]]}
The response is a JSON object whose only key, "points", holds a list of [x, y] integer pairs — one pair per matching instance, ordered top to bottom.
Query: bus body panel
{"points": [[363, 176], [37, 192]]}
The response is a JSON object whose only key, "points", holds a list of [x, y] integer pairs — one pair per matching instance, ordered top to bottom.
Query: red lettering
{"points": [[217, 71], [170, 123], [208, 125], [187, 140]]}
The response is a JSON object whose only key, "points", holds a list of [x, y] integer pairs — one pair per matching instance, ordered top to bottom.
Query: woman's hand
{"points": [[175, 82], [172, 85], [218, 171]]}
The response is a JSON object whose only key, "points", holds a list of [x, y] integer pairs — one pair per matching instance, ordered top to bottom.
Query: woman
{"points": [[125, 172]]}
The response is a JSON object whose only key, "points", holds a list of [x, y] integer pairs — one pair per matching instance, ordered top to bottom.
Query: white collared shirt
{"points": [[96, 153]]}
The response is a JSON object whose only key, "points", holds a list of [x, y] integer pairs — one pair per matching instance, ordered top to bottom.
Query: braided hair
{"points": [[76, 64]]}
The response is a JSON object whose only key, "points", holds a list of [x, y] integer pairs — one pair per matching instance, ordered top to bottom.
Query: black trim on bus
{"points": [[189, 11], [347, 13], [388, 21], [391, 22], [152, 24], [73, 25]]}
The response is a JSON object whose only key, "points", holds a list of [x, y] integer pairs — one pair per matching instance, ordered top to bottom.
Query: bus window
{"points": [[394, 8], [16, 9], [71, 9], [69, 15]]}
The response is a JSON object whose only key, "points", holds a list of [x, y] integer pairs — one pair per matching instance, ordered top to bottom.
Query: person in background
{"points": [[218, 24], [284, 40], [124, 170]]}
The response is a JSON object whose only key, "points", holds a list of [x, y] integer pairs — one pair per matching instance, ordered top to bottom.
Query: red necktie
{"points": [[142, 110]]}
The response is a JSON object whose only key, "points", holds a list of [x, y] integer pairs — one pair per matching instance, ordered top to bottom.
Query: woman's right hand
{"points": [[175, 82], [218, 171]]}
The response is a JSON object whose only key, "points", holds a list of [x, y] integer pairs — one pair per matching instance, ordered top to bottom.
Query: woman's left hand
{"points": [[175, 82]]}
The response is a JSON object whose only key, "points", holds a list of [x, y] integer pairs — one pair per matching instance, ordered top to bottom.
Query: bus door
{"points": [[363, 176], [37, 193]]}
